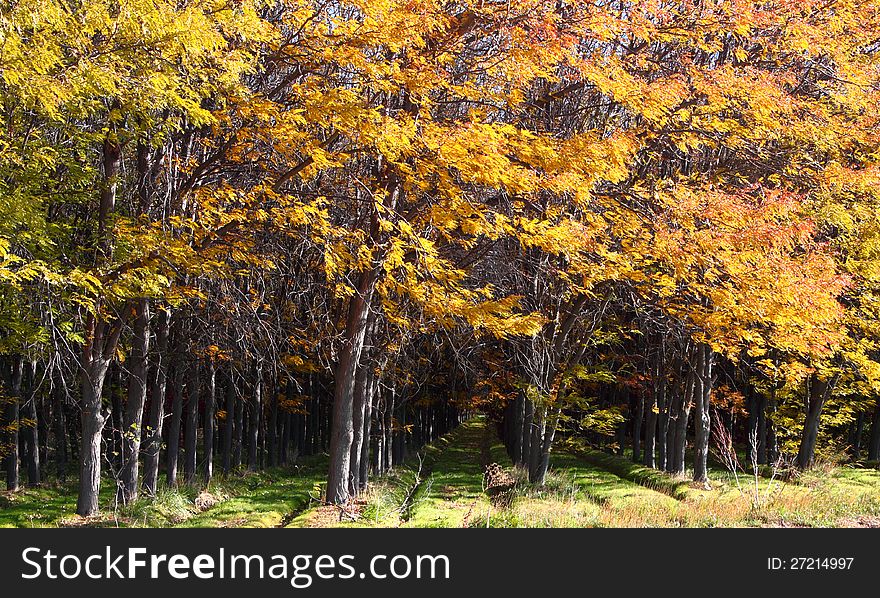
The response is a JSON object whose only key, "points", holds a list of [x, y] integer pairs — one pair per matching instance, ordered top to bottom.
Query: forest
{"points": [[331, 251]]}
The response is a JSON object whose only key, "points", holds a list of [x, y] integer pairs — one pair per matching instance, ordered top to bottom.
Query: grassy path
{"points": [[452, 495]]}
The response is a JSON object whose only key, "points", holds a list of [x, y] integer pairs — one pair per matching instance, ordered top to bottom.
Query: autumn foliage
{"points": [[579, 217]]}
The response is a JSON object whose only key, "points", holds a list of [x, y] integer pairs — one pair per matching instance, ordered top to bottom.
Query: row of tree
{"points": [[303, 223]]}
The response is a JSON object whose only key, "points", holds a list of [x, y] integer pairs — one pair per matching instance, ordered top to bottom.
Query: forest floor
{"points": [[443, 486]]}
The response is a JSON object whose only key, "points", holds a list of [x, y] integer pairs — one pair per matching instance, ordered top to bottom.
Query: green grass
{"points": [[442, 486], [453, 493], [265, 499]]}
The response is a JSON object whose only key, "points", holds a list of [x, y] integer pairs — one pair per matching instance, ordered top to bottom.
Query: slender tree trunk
{"points": [[14, 374], [362, 381], [158, 383], [702, 394], [134, 406], [254, 406], [663, 416], [528, 422], [286, 423], [191, 424], [229, 424], [681, 424], [60, 426], [208, 426], [272, 428], [637, 428], [859, 428], [389, 430], [31, 431], [380, 437], [238, 442], [365, 445], [114, 446], [173, 446], [874, 446], [649, 456], [543, 461]]}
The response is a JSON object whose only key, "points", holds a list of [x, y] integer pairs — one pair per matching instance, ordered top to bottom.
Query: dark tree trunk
{"points": [[13, 374], [362, 381], [158, 383], [818, 392], [134, 406], [254, 406], [379, 412], [519, 412], [663, 415], [702, 419], [528, 422], [229, 423], [286, 423], [191, 424], [681, 424], [60, 426], [208, 426], [272, 428], [637, 428], [342, 429], [389, 430], [858, 430], [31, 432], [238, 441], [173, 445], [365, 445], [114, 446], [874, 446], [650, 451], [542, 463]]}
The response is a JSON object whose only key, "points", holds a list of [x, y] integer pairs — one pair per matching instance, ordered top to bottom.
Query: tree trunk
{"points": [[98, 349], [13, 376], [362, 381], [158, 383], [818, 392], [134, 406], [254, 406], [519, 408], [663, 416], [702, 419], [528, 422], [229, 424], [681, 424], [191, 425], [208, 426], [60, 427], [272, 428], [637, 428], [342, 429], [858, 430], [31, 431], [238, 440], [365, 445], [173, 446], [874, 446], [650, 451], [542, 463]]}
